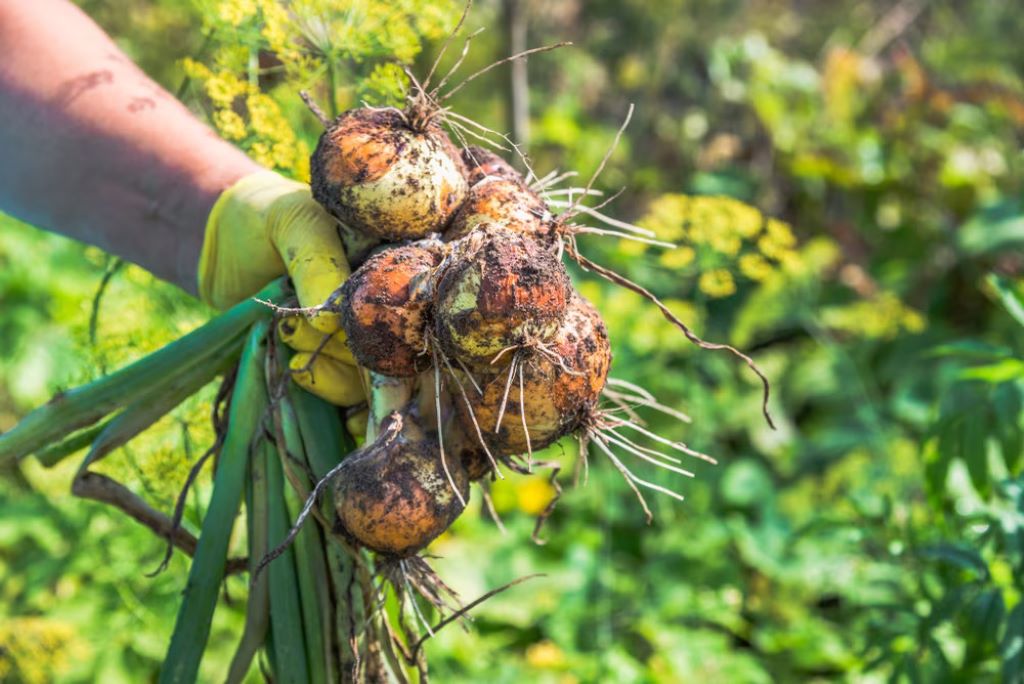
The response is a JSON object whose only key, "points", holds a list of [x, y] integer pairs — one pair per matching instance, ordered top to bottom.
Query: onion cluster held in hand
{"points": [[467, 297]]}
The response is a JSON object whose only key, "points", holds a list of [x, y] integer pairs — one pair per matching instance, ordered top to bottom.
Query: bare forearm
{"points": [[92, 148]]}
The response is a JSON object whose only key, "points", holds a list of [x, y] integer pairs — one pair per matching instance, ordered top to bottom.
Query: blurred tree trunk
{"points": [[518, 93]]}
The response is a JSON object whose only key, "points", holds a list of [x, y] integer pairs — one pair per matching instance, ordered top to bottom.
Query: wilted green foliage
{"points": [[844, 184]]}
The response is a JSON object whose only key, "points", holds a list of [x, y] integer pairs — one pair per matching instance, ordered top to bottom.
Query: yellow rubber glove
{"points": [[262, 227]]}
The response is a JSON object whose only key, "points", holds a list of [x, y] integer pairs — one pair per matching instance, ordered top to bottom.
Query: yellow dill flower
{"points": [[234, 12], [433, 21], [275, 30], [233, 58], [195, 70], [223, 87], [265, 116], [229, 124], [276, 145], [261, 154], [293, 157], [665, 216], [709, 217], [746, 220], [712, 221], [698, 232], [780, 233], [777, 241], [725, 242], [768, 247], [680, 257], [791, 261], [755, 266], [717, 283], [882, 317], [913, 321], [534, 495], [37, 649], [545, 655]]}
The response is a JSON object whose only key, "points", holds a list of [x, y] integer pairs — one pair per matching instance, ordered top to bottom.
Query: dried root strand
{"points": [[444, 46], [504, 60], [457, 64], [314, 108], [458, 123], [550, 179], [572, 210], [569, 244], [614, 277], [512, 367], [640, 397], [472, 415], [522, 416], [219, 420], [440, 427], [600, 428], [391, 432], [677, 446], [651, 456], [626, 474], [106, 490], [485, 494], [297, 526], [412, 577], [464, 611]]}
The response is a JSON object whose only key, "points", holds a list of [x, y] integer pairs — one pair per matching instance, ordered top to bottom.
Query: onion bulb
{"points": [[377, 174], [500, 290], [385, 307], [561, 385], [395, 496]]}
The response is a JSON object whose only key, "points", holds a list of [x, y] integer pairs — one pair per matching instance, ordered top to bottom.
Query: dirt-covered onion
{"points": [[379, 175], [504, 202], [500, 290], [385, 309], [561, 384], [395, 496]]}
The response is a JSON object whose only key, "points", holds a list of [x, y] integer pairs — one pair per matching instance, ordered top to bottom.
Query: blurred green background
{"points": [[844, 180]]}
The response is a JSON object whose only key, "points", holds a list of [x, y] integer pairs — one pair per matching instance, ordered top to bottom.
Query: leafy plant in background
{"points": [[874, 536]]}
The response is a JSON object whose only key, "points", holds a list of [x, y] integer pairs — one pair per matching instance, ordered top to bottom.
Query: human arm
{"points": [[92, 148]]}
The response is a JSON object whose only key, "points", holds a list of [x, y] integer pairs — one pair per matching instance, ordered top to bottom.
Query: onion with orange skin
{"points": [[378, 175], [504, 202], [501, 290], [385, 308], [561, 386], [394, 496]]}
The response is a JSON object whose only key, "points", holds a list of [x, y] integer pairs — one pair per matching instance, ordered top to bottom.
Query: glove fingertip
{"points": [[328, 322], [332, 381], [356, 424]]}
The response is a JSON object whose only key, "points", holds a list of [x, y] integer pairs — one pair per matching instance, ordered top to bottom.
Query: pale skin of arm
{"points": [[92, 148]]}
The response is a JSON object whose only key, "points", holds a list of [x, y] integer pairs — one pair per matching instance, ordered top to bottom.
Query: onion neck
{"points": [[387, 394]]}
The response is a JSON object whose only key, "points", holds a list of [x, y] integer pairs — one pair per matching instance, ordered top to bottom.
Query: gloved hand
{"points": [[261, 227]]}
